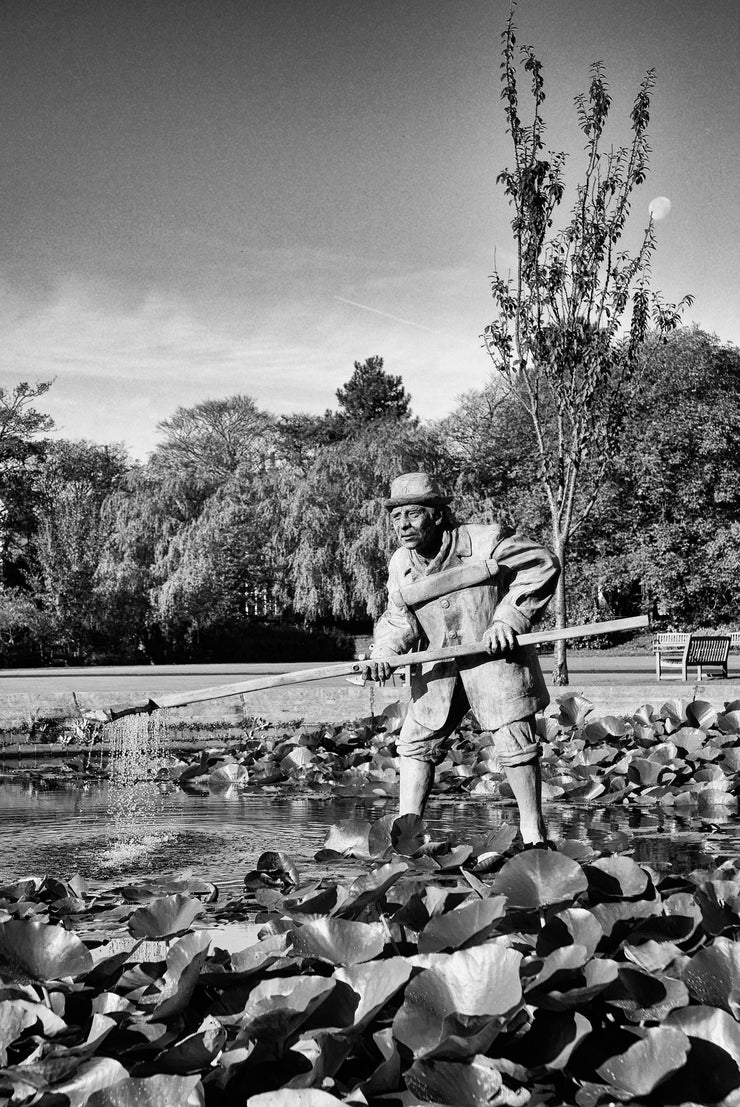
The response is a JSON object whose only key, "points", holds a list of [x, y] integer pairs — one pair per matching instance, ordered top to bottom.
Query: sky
{"points": [[209, 197]]}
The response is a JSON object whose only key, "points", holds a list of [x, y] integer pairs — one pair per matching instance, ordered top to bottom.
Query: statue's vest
{"points": [[456, 606]]}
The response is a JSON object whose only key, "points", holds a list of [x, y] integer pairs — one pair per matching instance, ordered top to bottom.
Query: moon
{"points": [[659, 208]]}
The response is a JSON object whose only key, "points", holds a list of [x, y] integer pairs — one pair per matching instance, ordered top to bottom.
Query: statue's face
{"points": [[418, 527]]}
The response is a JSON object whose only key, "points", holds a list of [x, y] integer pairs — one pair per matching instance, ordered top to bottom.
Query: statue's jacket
{"points": [[487, 575]]}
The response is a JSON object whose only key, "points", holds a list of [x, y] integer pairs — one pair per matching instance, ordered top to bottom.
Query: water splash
{"points": [[137, 753]]}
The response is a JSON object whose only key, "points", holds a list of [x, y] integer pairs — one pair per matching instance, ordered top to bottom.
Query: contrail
{"points": [[387, 314]]}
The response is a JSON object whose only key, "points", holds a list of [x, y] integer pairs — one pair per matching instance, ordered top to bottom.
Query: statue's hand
{"points": [[500, 639], [379, 671]]}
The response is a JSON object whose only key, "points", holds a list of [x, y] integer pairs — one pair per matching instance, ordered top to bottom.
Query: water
{"points": [[137, 752], [218, 836]]}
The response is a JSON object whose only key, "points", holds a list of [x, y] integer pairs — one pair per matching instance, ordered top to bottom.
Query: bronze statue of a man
{"points": [[453, 584]]}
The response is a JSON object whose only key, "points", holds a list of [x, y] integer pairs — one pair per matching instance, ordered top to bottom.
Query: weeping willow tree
{"points": [[574, 320], [336, 532]]}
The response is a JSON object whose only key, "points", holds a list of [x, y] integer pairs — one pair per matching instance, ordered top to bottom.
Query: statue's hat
{"points": [[415, 488]]}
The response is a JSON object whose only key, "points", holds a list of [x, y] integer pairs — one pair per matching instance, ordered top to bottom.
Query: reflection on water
{"points": [[219, 836]]}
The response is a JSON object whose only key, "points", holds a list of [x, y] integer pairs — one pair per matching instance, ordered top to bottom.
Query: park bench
{"points": [[675, 651]]}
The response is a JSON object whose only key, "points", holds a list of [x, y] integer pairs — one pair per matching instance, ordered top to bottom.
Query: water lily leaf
{"points": [[573, 710], [674, 712], [701, 714], [728, 722], [608, 726], [690, 741], [730, 758], [297, 759], [645, 771], [225, 776], [408, 834], [350, 838], [379, 838], [497, 842], [454, 858], [274, 869], [539, 878], [616, 878], [370, 888], [22, 889], [719, 901], [314, 902], [164, 917], [621, 918], [465, 926], [573, 926], [339, 941], [44, 951], [652, 956], [109, 958], [254, 958], [184, 961], [713, 975], [482, 981], [563, 984], [372, 986], [644, 996], [278, 1006], [15, 1017], [708, 1024], [551, 1039], [324, 1050], [194, 1052], [647, 1063], [93, 1075], [387, 1076], [477, 1083], [151, 1091], [294, 1097]]}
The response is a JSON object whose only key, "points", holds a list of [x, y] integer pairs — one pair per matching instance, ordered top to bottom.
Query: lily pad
{"points": [[540, 878], [616, 878], [164, 917], [465, 926], [340, 941], [44, 951], [713, 976], [482, 981], [372, 985], [647, 1063], [478, 1083], [151, 1091]]}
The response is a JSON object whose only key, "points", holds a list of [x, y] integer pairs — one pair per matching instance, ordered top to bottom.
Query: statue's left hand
{"points": [[500, 639]]}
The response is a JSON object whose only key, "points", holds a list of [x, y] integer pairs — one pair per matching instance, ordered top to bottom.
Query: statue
{"points": [[451, 584]]}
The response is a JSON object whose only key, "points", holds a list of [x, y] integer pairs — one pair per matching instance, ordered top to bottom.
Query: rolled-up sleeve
{"points": [[529, 574], [397, 629]]}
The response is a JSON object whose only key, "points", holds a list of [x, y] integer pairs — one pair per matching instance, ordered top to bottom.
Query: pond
{"points": [[218, 836]]}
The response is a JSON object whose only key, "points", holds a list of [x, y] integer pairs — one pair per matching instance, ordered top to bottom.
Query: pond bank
{"points": [[22, 713]]}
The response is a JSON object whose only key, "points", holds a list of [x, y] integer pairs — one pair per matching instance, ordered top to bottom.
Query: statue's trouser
{"points": [[517, 748]]}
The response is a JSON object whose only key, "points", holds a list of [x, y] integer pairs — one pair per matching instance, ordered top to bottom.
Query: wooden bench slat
{"points": [[679, 651]]}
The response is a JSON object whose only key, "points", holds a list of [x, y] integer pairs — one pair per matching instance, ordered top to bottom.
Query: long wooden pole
{"points": [[352, 668]]}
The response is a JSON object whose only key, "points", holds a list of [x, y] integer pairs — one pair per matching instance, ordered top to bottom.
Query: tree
{"points": [[573, 321], [371, 394], [369, 397], [210, 441], [490, 445], [21, 449], [74, 481], [667, 519], [335, 532], [218, 563]]}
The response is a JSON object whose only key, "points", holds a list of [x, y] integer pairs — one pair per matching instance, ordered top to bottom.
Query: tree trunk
{"points": [[560, 661]]}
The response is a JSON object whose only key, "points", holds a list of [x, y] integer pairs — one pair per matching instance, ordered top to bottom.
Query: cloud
{"points": [[124, 359]]}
